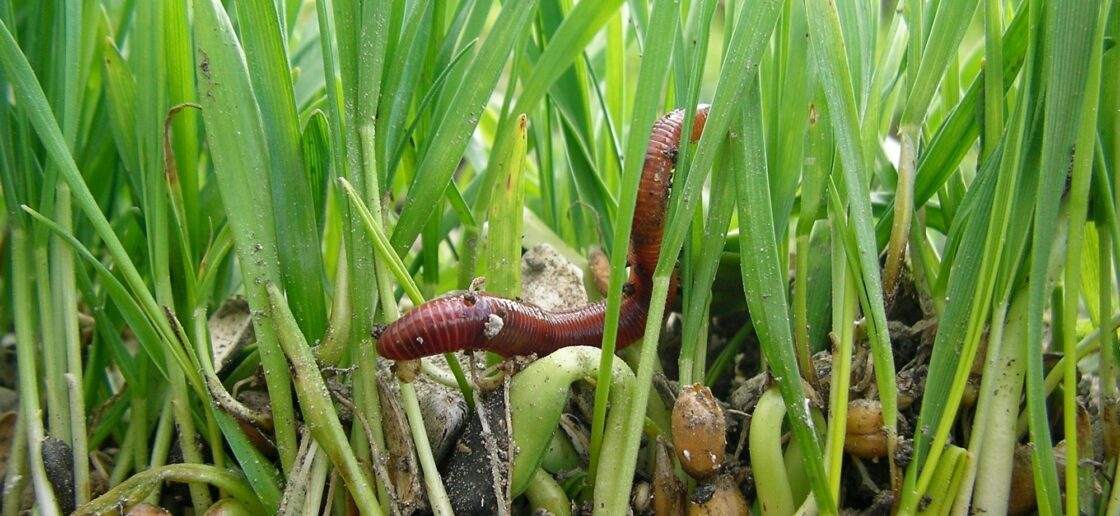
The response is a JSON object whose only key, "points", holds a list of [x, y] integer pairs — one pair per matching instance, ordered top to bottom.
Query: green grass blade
{"points": [[471, 20], [950, 21], [752, 32], [338, 38], [565, 46], [68, 55], [1065, 65], [993, 75], [651, 80], [836, 80], [402, 81], [120, 90], [30, 95], [151, 104], [795, 107], [422, 109], [186, 124], [454, 128], [957, 134], [237, 144], [317, 162], [590, 185], [297, 238], [504, 242], [384, 248], [702, 252], [704, 272], [764, 282], [972, 283], [844, 303], [129, 308], [321, 417], [141, 486], [1078, 495], [45, 498]]}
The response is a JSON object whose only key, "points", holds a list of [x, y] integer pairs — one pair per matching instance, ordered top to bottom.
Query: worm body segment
{"points": [[480, 321]]}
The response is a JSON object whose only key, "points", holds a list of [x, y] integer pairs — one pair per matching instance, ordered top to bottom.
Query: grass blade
{"points": [[1065, 65], [651, 79], [836, 79], [30, 95], [455, 126], [238, 147], [297, 237], [504, 243], [764, 283], [317, 407]]}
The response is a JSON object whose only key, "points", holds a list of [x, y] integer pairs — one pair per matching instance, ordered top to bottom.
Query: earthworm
{"points": [[480, 321]]}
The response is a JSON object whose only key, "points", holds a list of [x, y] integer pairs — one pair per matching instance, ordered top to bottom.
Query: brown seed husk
{"points": [[600, 267], [865, 417], [699, 432], [866, 438], [866, 446], [668, 491], [1022, 499], [725, 500]]}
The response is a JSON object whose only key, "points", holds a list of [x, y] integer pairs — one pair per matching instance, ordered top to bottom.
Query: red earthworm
{"points": [[479, 321]]}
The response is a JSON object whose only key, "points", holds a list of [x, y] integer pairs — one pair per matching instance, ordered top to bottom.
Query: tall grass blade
{"points": [[1065, 66], [836, 79], [651, 80], [30, 96], [456, 125], [238, 146], [297, 238], [504, 243], [765, 285]]}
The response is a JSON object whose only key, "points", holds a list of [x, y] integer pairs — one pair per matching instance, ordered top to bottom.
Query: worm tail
{"points": [[653, 191]]}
